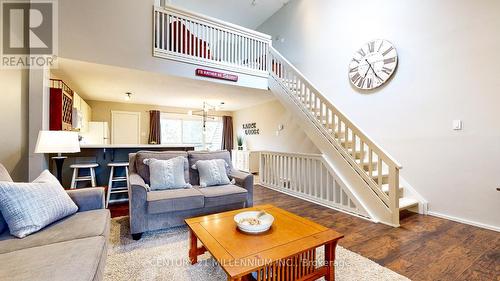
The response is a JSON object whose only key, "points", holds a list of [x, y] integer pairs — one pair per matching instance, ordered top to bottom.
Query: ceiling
{"points": [[240, 12], [110, 83]]}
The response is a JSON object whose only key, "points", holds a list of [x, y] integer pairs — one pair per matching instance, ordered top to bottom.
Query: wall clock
{"points": [[373, 64]]}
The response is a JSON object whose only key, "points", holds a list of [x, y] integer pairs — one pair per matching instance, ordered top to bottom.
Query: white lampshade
{"points": [[57, 142]]}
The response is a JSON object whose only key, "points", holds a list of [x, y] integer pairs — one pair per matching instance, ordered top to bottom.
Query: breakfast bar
{"points": [[102, 154]]}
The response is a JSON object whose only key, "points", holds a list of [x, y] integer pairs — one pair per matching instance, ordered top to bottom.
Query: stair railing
{"points": [[194, 38], [376, 167], [307, 176]]}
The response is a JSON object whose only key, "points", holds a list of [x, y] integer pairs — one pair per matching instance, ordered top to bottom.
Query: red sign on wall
{"points": [[216, 75]]}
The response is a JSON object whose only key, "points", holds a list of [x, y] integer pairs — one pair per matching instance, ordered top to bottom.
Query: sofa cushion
{"points": [[194, 156], [143, 170], [223, 195], [172, 200], [29, 207], [80, 225], [71, 260]]}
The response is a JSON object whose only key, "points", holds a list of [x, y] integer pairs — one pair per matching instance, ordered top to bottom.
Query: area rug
{"points": [[163, 255]]}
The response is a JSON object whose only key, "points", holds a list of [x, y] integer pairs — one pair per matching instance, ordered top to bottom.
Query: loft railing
{"points": [[189, 37], [377, 168], [307, 176]]}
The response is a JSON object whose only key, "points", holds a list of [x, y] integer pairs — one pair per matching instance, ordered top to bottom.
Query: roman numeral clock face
{"points": [[373, 64]]}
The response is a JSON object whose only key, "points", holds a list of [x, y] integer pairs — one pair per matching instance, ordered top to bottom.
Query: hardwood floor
{"points": [[423, 248]]}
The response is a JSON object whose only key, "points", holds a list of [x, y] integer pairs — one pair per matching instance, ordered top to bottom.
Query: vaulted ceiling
{"points": [[247, 13]]}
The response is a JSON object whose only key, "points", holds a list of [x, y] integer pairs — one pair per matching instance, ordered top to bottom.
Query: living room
{"points": [[249, 140]]}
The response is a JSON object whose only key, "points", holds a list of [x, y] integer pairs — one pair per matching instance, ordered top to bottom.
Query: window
{"points": [[182, 129]]}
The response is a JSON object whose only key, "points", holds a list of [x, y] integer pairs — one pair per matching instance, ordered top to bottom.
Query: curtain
{"points": [[154, 127], [227, 133]]}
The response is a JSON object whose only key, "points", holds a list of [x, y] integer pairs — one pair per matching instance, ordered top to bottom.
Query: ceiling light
{"points": [[128, 96], [219, 106]]}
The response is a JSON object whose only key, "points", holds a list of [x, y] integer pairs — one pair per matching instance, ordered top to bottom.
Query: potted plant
{"points": [[239, 140]]}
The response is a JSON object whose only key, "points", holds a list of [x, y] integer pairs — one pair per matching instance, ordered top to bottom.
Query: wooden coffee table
{"points": [[286, 252]]}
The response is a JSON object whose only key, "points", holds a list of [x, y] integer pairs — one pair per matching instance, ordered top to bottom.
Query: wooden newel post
{"points": [[394, 194]]}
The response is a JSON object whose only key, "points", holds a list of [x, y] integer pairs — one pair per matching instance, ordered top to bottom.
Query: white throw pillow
{"points": [[212, 172], [167, 174], [29, 207]]}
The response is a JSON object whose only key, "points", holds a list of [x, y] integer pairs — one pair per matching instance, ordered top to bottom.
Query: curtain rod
{"points": [[186, 113]]}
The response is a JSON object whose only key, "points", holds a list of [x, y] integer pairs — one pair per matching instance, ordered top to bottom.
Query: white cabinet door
{"points": [[125, 127]]}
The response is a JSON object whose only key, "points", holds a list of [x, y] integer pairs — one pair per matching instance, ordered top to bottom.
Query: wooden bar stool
{"points": [[76, 173], [113, 179]]}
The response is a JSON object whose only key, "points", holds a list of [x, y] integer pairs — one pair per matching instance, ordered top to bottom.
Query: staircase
{"points": [[342, 141], [367, 175]]}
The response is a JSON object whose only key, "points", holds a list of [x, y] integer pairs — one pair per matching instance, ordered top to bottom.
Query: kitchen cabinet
{"points": [[61, 106], [82, 114]]}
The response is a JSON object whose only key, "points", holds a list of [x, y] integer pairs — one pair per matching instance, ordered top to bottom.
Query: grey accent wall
{"points": [[448, 70]]}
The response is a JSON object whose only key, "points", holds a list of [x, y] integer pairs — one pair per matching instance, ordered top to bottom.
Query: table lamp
{"points": [[57, 142]]}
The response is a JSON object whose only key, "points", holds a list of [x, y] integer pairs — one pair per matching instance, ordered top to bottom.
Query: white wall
{"points": [[449, 56], [268, 116], [14, 123]]}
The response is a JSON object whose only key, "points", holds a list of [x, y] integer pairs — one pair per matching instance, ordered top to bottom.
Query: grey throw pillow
{"points": [[143, 169], [212, 172], [167, 174], [29, 207]]}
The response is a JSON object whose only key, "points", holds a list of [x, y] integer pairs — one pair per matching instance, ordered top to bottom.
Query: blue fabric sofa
{"points": [[152, 210], [74, 248]]}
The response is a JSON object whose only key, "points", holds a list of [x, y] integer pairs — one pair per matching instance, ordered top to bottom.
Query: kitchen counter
{"points": [[131, 146], [103, 154]]}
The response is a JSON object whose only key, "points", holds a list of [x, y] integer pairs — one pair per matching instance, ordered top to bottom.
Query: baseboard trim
{"points": [[464, 221]]}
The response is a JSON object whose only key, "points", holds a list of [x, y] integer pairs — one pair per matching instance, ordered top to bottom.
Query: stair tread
{"points": [[406, 202]]}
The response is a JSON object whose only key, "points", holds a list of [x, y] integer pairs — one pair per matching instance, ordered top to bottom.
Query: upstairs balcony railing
{"points": [[189, 37]]}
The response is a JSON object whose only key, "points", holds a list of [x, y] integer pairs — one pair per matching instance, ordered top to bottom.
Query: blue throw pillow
{"points": [[212, 172], [29, 207]]}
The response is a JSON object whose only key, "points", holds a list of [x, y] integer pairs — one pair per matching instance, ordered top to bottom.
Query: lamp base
{"points": [[59, 165]]}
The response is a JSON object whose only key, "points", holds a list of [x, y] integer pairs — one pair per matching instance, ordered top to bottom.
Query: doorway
{"points": [[125, 127]]}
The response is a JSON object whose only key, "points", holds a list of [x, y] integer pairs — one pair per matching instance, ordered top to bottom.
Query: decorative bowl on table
{"points": [[254, 222]]}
